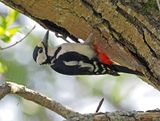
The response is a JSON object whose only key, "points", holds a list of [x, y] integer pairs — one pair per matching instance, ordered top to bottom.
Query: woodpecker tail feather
{"points": [[123, 69]]}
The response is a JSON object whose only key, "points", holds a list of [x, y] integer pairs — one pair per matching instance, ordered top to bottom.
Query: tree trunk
{"points": [[125, 30]]}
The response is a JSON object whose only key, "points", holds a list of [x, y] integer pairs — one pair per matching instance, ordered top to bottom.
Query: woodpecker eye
{"points": [[40, 50]]}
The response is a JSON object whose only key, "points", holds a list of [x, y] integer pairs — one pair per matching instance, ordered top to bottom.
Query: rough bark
{"points": [[126, 33], [68, 114]]}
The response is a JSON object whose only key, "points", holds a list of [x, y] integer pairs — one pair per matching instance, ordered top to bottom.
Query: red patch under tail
{"points": [[102, 56]]}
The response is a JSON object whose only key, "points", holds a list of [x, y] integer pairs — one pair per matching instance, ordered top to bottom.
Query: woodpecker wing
{"points": [[72, 63]]}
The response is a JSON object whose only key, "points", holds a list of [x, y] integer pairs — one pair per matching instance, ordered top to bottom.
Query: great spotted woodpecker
{"points": [[77, 59]]}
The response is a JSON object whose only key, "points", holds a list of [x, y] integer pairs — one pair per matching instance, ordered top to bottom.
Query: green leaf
{"points": [[11, 17], [3, 23], [2, 30], [12, 31], [6, 33], [5, 38], [3, 67]]}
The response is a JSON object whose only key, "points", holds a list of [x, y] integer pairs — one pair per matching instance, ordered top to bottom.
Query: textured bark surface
{"points": [[126, 33]]}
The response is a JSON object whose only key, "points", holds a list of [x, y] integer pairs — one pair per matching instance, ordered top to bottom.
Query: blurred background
{"points": [[81, 93]]}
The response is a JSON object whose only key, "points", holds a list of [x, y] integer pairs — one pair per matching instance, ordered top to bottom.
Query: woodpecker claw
{"points": [[45, 39]]}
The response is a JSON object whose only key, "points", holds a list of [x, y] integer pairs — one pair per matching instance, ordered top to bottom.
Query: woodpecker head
{"points": [[40, 53]]}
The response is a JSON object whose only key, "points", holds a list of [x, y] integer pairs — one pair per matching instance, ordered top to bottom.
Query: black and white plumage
{"points": [[75, 59]]}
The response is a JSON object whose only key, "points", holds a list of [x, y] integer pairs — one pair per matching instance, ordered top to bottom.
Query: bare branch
{"points": [[19, 40], [13, 88], [68, 114]]}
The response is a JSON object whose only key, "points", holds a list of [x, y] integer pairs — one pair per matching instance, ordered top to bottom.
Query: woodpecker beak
{"points": [[45, 39]]}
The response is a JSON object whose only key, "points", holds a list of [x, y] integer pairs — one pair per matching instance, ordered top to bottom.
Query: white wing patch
{"points": [[71, 63], [80, 63], [83, 65]]}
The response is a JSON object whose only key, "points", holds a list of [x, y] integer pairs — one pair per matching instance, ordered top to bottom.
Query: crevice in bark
{"points": [[89, 6], [153, 15], [131, 19], [108, 25], [139, 25], [52, 26], [122, 41], [145, 41], [132, 49], [148, 71]]}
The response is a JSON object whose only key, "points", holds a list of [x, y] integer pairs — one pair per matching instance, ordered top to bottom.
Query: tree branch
{"points": [[129, 36], [13, 88], [68, 114]]}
